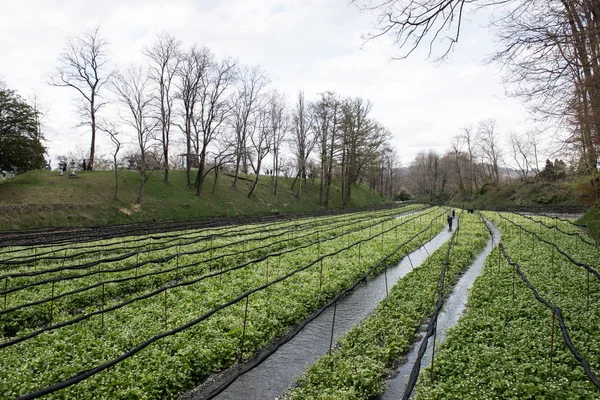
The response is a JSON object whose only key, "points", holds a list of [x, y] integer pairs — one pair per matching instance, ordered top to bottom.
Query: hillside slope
{"points": [[561, 194], [44, 199]]}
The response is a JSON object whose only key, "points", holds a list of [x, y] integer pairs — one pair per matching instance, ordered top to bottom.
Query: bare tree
{"points": [[410, 23], [551, 50], [165, 56], [82, 67], [191, 73], [251, 84], [132, 87], [215, 108], [326, 123], [279, 126], [113, 134], [468, 138], [261, 140], [303, 140], [362, 142], [490, 147], [333, 148], [520, 153], [525, 153], [222, 154], [458, 162], [391, 167], [426, 175]]}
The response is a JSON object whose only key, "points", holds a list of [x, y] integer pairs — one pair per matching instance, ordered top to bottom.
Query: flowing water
{"points": [[454, 306], [277, 373]]}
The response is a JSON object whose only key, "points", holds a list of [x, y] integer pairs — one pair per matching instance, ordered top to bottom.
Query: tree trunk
{"points": [[93, 144], [166, 154], [238, 159], [188, 169], [276, 171], [329, 171], [301, 173], [200, 177], [295, 179], [116, 180], [343, 180], [142, 183], [214, 188], [251, 193], [348, 195]]}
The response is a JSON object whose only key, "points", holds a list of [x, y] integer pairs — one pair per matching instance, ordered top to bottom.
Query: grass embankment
{"points": [[526, 194], [45, 199], [592, 220]]}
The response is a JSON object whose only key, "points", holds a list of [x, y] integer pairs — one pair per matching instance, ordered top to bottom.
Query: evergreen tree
{"points": [[21, 146]]}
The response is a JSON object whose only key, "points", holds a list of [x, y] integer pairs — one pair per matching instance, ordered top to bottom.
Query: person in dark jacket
{"points": [[450, 222]]}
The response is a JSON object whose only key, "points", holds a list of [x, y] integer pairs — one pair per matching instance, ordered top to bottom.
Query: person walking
{"points": [[450, 222]]}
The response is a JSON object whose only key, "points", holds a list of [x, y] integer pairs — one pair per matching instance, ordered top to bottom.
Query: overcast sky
{"points": [[310, 45]]}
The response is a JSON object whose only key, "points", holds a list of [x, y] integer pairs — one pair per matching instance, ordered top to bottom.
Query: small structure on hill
{"points": [[62, 167], [73, 174]]}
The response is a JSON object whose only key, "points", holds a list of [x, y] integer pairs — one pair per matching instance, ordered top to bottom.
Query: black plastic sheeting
{"points": [[539, 209], [565, 220], [557, 228], [74, 234], [162, 244], [155, 261], [573, 261], [137, 265], [160, 290], [555, 310], [561, 323], [266, 354], [91, 372], [414, 375]]}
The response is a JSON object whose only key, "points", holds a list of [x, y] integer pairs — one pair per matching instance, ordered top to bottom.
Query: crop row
{"points": [[560, 226], [13, 242], [18, 245], [123, 248], [192, 248], [44, 301], [206, 318], [508, 344], [357, 369]]}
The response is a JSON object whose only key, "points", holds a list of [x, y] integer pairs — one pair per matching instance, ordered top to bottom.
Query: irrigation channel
{"points": [[454, 306], [279, 371]]}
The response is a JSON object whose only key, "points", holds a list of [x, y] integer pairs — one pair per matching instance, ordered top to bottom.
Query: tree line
{"points": [[221, 114], [477, 158]]}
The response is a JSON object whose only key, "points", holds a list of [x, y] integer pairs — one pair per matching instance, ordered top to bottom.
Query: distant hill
{"points": [[39, 199]]}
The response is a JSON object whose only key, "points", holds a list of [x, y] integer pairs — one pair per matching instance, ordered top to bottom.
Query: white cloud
{"points": [[313, 45]]}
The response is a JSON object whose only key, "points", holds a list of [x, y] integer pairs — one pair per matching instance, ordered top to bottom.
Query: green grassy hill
{"points": [[526, 194], [44, 199]]}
